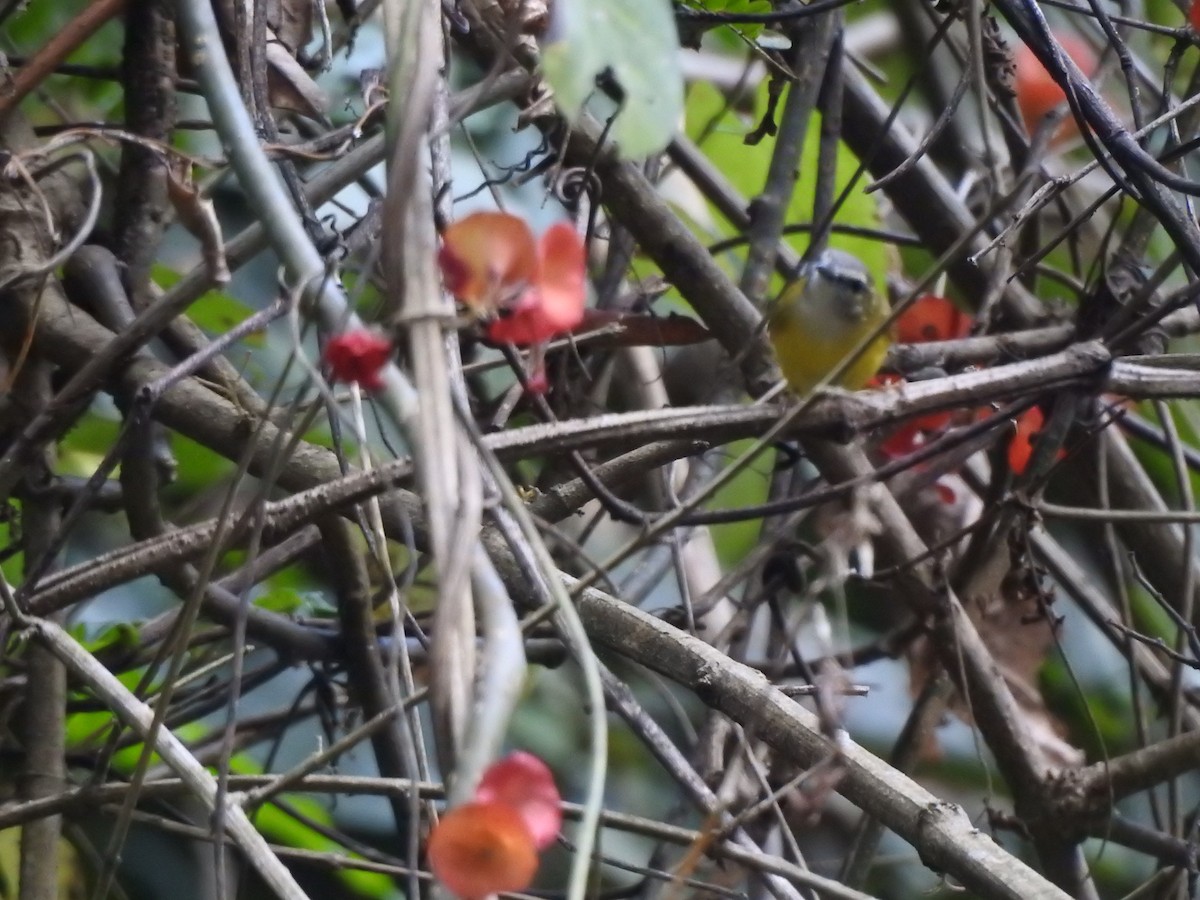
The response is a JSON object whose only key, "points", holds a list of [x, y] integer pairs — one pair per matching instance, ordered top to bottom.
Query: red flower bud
{"points": [[358, 357]]}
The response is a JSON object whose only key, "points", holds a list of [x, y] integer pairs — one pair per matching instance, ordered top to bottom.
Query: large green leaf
{"points": [[743, 31], [637, 42], [721, 129], [733, 540]]}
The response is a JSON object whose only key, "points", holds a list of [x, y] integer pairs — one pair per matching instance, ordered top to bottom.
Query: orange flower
{"points": [[1037, 92], [488, 259], [535, 290], [358, 357], [491, 844], [482, 848]]}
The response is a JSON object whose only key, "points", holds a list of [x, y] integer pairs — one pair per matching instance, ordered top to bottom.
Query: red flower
{"points": [[1194, 14], [535, 290], [929, 318], [932, 318], [359, 357], [910, 435], [1020, 448], [491, 844]]}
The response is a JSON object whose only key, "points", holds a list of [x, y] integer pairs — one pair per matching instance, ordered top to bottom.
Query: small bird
{"points": [[822, 316]]}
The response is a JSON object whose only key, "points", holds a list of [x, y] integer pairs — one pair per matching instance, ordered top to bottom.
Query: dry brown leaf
{"points": [[291, 21], [289, 29], [197, 215], [643, 330], [1010, 613]]}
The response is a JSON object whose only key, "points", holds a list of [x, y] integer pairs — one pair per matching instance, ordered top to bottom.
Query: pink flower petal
{"points": [[562, 281], [555, 303], [536, 381], [525, 783]]}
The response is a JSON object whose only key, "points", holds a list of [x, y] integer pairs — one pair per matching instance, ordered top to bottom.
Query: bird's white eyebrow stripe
{"points": [[851, 278]]}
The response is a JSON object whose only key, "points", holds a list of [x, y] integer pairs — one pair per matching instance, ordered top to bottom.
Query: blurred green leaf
{"points": [[32, 25], [747, 30], [636, 41], [721, 131], [364, 293], [215, 311], [323, 437], [85, 445], [199, 469], [734, 540], [15, 564], [290, 602], [116, 635], [1097, 720], [87, 731], [282, 827], [72, 873]]}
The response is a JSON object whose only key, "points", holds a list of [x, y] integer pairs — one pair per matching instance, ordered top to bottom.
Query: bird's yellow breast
{"points": [[813, 327], [806, 357]]}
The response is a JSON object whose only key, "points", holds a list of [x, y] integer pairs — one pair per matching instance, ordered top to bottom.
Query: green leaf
{"points": [[748, 30], [637, 42], [215, 311], [86, 444], [199, 467], [733, 540], [288, 601], [116, 635], [282, 827]]}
